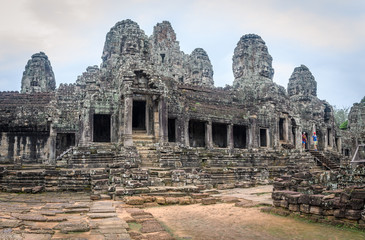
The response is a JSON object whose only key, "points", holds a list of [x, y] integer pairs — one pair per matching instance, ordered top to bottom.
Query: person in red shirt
{"points": [[304, 140]]}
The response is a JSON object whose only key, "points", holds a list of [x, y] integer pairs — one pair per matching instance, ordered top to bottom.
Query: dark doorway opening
{"points": [[139, 115], [101, 128], [281, 129], [172, 130], [219, 131], [196, 133], [239, 136], [263, 137], [329, 137], [64, 141]]}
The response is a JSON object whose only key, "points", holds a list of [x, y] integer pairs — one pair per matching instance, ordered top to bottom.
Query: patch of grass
{"points": [[134, 226], [171, 232]]}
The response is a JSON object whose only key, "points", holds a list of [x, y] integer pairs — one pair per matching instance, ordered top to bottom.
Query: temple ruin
{"points": [[150, 116]]}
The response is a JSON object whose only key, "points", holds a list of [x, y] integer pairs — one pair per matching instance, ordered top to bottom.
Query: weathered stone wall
{"points": [[332, 197]]}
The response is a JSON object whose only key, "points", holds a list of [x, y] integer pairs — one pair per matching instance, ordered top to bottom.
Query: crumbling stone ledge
{"points": [[344, 207]]}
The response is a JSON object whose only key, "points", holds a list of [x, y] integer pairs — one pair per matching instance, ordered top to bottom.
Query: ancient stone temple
{"points": [[150, 115]]}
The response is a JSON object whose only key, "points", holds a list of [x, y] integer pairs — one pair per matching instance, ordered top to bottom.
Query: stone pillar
{"points": [[128, 114], [163, 119], [186, 132], [209, 135], [253, 139], [230, 142], [339, 144], [52, 145]]}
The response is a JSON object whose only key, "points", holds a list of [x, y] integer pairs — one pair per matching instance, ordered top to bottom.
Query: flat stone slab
{"points": [[77, 210], [101, 215], [32, 217], [9, 223], [76, 226], [33, 236]]}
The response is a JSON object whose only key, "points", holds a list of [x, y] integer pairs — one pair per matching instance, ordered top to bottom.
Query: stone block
{"points": [[358, 194], [344, 197], [293, 199], [303, 199], [134, 200], [160, 200], [172, 200], [315, 200], [184, 201], [209, 201], [277, 203], [284, 204], [355, 204], [294, 207], [304, 208], [316, 210], [328, 212], [339, 213], [353, 214]]}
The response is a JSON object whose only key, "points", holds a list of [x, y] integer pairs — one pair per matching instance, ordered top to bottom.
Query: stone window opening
{"points": [[162, 57], [34, 84], [139, 115], [102, 128], [281, 129], [172, 130], [196, 133], [219, 134], [239, 136], [263, 137], [329, 137]]}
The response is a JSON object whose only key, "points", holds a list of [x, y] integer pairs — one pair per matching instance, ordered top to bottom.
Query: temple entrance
{"points": [[139, 115], [101, 128], [281, 129], [172, 130], [219, 131], [196, 133], [239, 136], [263, 137], [64, 141]]}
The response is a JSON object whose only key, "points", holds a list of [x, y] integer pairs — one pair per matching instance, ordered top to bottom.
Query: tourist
{"points": [[304, 140], [315, 142]]}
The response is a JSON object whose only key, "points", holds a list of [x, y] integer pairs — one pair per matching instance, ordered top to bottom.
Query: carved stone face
{"points": [[130, 46]]}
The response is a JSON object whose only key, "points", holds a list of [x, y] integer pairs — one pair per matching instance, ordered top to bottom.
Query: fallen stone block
{"points": [[209, 201]]}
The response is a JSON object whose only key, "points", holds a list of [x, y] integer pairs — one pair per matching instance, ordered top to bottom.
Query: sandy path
{"points": [[226, 221]]}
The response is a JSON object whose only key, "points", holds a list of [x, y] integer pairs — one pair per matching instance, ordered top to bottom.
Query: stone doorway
{"points": [[139, 115], [101, 128], [172, 130], [219, 131], [196, 133], [239, 136], [263, 137], [64, 141]]}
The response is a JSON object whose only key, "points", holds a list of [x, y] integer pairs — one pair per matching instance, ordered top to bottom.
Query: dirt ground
{"points": [[226, 221]]}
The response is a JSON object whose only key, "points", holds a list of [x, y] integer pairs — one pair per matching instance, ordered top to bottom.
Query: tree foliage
{"points": [[362, 100], [341, 115], [343, 126]]}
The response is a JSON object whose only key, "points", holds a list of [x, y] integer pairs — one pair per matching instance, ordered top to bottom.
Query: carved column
{"points": [[162, 110], [128, 114], [186, 132], [209, 135], [230, 136], [253, 139]]}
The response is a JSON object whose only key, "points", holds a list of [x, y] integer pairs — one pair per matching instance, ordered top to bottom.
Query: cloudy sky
{"points": [[328, 36]]}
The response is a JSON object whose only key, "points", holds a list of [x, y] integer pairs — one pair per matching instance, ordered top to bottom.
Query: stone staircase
{"points": [[324, 161]]}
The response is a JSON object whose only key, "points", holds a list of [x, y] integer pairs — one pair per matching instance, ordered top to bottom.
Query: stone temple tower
{"points": [[251, 61], [38, 75], [302, 82]]}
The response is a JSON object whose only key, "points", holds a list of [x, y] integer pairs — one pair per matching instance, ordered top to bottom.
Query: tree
{"points": [[362, 100], [341, 115]]}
